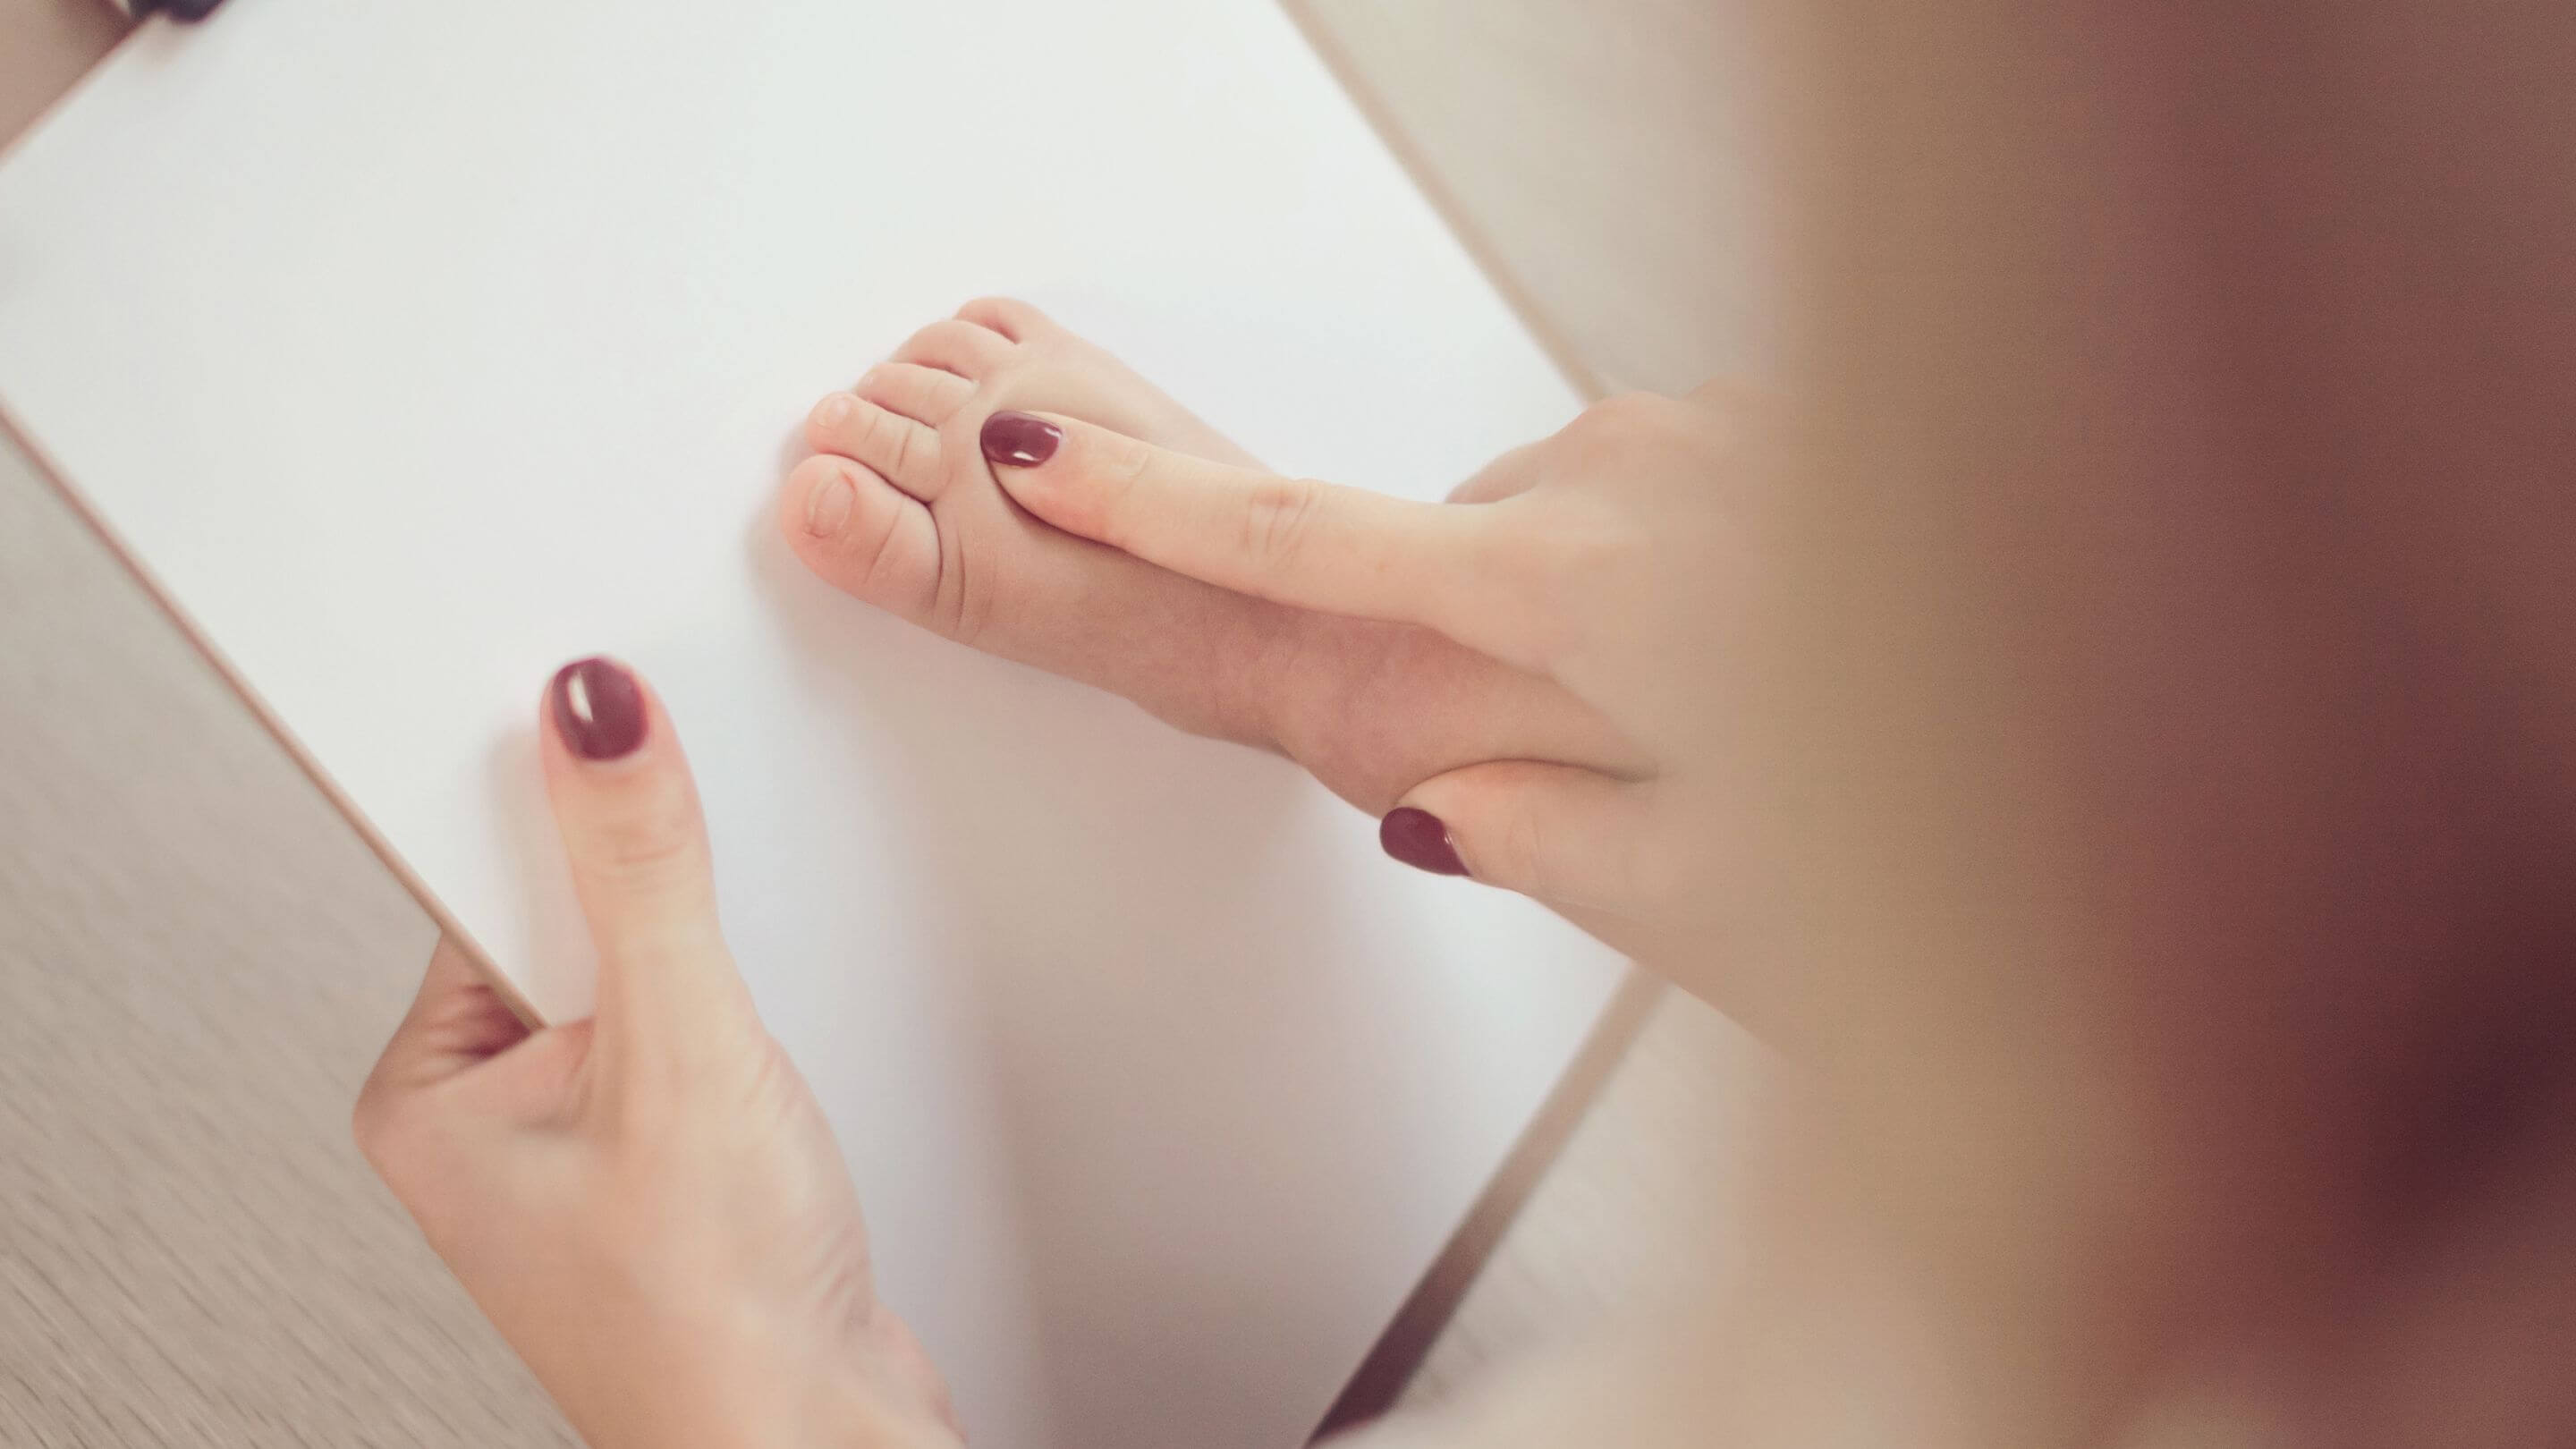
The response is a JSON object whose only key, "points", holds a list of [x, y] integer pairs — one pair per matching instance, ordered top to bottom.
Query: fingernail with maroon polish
{"points": [[1017, 440], [598, 709], [1417, 838]]}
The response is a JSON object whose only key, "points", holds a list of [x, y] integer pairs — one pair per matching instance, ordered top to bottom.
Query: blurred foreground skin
{"points": [[2157, 757], [2156, 800]]}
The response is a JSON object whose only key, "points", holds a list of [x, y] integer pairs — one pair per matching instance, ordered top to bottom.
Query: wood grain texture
{"points": [[46, 46], [1598, 152], [198, 958]]}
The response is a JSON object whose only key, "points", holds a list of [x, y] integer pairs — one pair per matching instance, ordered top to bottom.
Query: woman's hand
{"points": [[1603, 558], [649, 1204]]}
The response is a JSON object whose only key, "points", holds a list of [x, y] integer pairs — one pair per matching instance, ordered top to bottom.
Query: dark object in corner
{"points": [[177, 9]]}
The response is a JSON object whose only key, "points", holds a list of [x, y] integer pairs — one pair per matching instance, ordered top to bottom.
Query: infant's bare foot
{"points": [[899, 508]]}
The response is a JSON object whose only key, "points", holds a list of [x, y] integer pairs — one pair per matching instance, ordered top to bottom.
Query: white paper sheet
{"points": [[417, 347]]}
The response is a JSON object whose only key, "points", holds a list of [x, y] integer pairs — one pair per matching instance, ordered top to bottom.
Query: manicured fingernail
{"points": [[1017, 440], [828, 503], [598, 709], [1417, 838]]}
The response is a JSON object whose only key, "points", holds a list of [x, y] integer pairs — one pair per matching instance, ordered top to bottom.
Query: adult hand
{"points": [[1603, 558], [649, 1204]]}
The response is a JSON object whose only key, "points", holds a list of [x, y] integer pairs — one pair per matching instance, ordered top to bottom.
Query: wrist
{"points": [[717, 1381], [832, 1392], [844, 1409], [851, 1411]]}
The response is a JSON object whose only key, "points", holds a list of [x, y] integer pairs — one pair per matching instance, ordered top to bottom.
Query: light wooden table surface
{"points": [[198, 960]]}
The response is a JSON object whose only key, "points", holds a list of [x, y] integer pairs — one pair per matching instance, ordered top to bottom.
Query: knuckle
{"points": [[1626, 415], [1636, 436], [1640, 437], [1122, 472], [1278, 517], [1585, 555], [1565, 574], [645, 846]]}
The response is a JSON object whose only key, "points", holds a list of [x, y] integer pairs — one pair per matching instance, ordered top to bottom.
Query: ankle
{"points": [[1327, 698]]}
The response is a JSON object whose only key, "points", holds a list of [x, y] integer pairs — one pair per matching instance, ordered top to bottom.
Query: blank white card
{"points": [[416, 348]]}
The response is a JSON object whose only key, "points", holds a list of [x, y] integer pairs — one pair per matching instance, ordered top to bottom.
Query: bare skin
{"points": [[898, 508]]}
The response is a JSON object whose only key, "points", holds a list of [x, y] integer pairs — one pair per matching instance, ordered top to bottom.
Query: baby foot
{"points": [[899, 508]]}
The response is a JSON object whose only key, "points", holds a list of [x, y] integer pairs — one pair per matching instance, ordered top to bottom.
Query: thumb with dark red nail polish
{"points": [[598, 709], [1420, 839]]}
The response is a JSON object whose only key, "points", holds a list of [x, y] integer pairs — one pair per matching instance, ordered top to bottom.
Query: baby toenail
{"points": [[831, 410], [1017, 440], [828, 504]]}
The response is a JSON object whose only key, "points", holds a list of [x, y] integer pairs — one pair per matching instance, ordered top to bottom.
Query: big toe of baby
{"points": [[862, 535]]}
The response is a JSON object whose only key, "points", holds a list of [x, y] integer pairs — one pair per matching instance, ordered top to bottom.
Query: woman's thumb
{"points": [[1562, 835], [637, 846]]}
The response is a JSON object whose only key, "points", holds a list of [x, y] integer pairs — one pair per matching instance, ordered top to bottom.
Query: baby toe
{"points": [[1009, 316], [971, 351], [923, 394], [901, 450], [863, 536]]}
